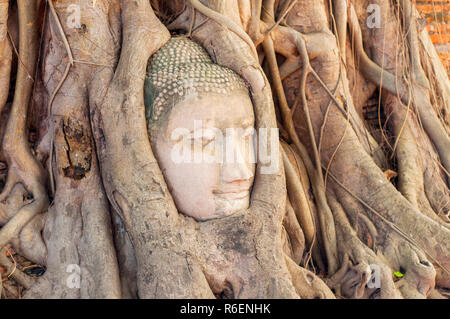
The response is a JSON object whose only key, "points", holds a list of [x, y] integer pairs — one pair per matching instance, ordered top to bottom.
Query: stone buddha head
{"points": [[201, 126]]}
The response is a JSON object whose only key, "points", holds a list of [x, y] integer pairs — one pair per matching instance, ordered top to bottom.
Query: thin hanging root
{"points": [[227, 23], [276, 24], [5, 55], [291, 65], [369, 68], [58, 87], [420, 90], [23, 167], [315, 173], [12, 271]]}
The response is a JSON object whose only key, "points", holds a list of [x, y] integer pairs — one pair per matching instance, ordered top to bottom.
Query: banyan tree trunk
{"points": [[361, 194]]}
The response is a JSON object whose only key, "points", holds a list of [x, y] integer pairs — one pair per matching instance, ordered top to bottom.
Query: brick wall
{"points": [[436, 15]]}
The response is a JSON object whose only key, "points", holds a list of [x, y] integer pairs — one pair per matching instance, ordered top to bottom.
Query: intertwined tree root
{"points": [[23, 168], [328, 206]]}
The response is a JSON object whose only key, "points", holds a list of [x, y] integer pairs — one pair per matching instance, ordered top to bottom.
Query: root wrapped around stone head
{"points": [[181, 68]]}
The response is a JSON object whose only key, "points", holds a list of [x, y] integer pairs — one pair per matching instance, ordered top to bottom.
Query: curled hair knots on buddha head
{"points": [[183, 68]]}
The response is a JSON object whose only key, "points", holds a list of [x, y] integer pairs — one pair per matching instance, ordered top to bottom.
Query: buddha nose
{"points": [[236, 168], [234, 172]]}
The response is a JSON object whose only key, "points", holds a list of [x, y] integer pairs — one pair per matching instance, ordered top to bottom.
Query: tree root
{"points": [[339, 12], [228, 23], [5, 55], [437, 69], [420, 89], [345, 162], [22, 166], [315, 173], [422, 180], [430, 195], [299, 200], [303, 202], [359, 222], [399, 228], [294, 233], [126, 258], [81, 260], [12, 271], [418, 273], [351, 281], [307, 284]]}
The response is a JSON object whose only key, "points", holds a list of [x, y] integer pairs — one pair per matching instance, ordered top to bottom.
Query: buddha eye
{"points": [[209, 135], [203, 137], [207, 139]]}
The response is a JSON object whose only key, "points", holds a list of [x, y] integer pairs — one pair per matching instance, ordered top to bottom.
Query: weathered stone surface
{"points": [[180, 68]]}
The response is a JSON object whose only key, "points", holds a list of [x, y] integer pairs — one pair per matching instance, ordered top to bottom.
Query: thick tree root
{"points": [[5, 54], [420, 89], [349, 154], [22, 166], [314, 170], [421, 178], [299, 199], [361, 229], [294, 234], [29, 241], [225, 249], [126, 258], [81, 261], [11, 270], [351, 281], [307, 284]]}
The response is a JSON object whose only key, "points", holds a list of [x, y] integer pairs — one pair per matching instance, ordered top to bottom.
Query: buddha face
{"points": [[204, 147]]}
